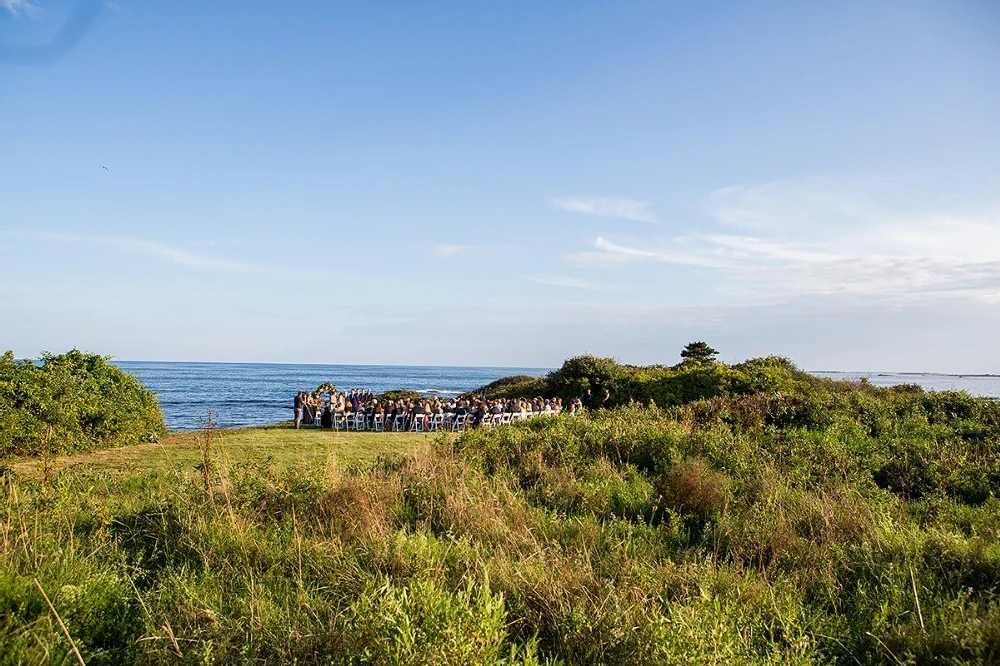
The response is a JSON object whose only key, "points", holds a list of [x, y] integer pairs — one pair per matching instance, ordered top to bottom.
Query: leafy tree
{"points": [[698, 352], [579, 373]]}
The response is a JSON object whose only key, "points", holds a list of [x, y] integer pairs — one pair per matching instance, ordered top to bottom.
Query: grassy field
{"points": [[280, 445], [849, 525]]}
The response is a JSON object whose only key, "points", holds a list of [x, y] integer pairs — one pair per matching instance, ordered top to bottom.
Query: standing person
{"points": [[606, 398], [588, 399], [299, 405], [312, 407], [326, 417]]}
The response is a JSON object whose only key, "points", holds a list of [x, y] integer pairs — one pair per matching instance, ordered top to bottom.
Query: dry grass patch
{"points": [[692, 487]]}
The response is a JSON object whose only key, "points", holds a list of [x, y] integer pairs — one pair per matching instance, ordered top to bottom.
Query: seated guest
{"points": [[478, 413]]}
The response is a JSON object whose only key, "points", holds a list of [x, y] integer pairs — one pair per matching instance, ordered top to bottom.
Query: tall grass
{"points": [[851, 526]]}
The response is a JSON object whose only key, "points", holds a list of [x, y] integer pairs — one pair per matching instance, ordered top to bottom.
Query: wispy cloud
{"points": [[16, 7], [625, 209], [874, 237], [136, 246], [750, 247], [446, 250], [676, 251], [177, 256], [562, 281]]}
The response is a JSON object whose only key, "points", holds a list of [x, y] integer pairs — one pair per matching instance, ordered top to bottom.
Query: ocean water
{"points": [[247, 394]]}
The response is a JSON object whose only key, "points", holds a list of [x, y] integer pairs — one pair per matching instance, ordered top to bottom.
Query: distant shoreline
{"points": [[888, 373]]}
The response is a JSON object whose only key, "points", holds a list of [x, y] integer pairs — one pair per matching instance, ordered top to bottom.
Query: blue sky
{"points": [[502, 183]]}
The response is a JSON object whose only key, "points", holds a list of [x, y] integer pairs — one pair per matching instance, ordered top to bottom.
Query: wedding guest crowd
{"points": [[367, 412]]}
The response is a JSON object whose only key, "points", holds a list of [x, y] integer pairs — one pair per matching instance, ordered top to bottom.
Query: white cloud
{"points": [[15, 7], [803, 203], [625, 209], [871, 237], [874, 237], [749, 247], [445, 250], [677, 251], [680, 253], [562, 281]]}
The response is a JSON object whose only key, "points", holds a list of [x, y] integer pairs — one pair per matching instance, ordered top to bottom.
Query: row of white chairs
{"points": [[424, 422]]}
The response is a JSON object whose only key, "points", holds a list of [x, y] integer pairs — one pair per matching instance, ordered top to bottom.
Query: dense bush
{"points": [[662, 385], [516, 386], [399, 394], [72, 402]]}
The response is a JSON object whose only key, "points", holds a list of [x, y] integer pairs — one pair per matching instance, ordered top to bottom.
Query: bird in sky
{"points": [[106, 168]]}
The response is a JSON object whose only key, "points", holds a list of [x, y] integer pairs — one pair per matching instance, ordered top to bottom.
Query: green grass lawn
{"points": [[282, 445]]}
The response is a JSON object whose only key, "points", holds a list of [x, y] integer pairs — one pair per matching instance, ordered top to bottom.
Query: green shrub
{"points": [[516, 386], [664, 386], [400, 394], [72, 402], [423, 623]]}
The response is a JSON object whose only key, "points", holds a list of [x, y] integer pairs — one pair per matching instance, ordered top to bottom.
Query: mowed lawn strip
{"points": [[281, 445]]}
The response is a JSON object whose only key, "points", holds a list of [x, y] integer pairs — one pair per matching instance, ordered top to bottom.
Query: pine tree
{"points": [[698, 352]]}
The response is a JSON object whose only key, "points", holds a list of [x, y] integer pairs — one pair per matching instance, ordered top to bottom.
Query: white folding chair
{"points": [[436, 421]]}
